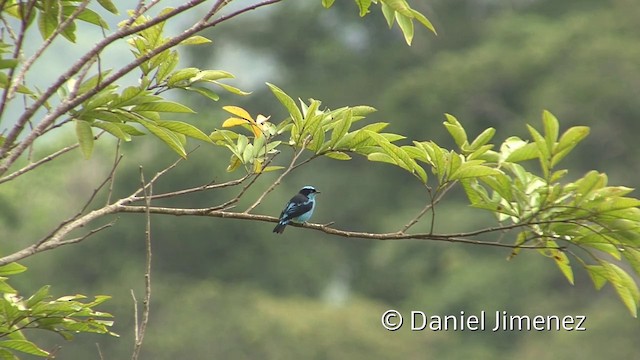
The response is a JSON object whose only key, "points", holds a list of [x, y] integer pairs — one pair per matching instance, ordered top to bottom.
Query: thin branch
{"points": [[118, 157], [34, 165], [209, 186], [429, 206], [83, 237], [465, 238], [140, 330]]}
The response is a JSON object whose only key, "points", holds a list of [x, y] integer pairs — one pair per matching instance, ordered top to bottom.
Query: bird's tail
{"points": [[280, 227]]}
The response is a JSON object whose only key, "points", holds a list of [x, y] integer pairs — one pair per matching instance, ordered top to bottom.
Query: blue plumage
{"points": [[299, 209]]}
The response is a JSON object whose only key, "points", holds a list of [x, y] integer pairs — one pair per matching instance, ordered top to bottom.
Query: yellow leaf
{"points": [[239, 112], [230, 122], [256, 130]]}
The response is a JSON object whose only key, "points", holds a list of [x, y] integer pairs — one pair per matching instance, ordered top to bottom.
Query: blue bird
{"points": [[299, 209]]}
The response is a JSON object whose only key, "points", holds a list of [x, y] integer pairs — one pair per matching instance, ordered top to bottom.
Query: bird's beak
{"points": [[317, 192]]}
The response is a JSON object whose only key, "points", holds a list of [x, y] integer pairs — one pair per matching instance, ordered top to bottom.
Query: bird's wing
{"points": [[297, 206]]}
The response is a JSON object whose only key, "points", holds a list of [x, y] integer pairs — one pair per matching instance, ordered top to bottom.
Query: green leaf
{"points": [[327, 3], [108, 5], [363, 5], [400, 6], [389, 14], [86, 15], [48, 18], [424, 21], [406, 25], [195, 40], [169, 62], [182, 75], [212, 75], [231, 89], [204, 92], [288, 103], [162, 106], [113, 128], [341, 128], [551, 128], [185, 129], [456, 130], [165, 135], [85, 137], [482, 139], [568, 141], [543, 149], [338, 155], [381, 157], [272, 168], [473, 171], [632, 255], [562, 261], [12, 269], [597, 274], [624, 285], [40, 295], [24, 346]]}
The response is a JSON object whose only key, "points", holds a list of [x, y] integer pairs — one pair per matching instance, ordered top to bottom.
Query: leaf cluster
{"points": [[65, 316]]}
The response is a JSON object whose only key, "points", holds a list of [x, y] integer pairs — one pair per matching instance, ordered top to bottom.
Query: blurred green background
{"points": [[232, 289]]}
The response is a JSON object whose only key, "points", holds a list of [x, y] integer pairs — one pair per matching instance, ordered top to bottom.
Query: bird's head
{"points": [[309, 191]]}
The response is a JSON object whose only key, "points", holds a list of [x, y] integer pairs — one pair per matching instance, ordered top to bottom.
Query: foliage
{"points": [[584, 220], [65, 316]]}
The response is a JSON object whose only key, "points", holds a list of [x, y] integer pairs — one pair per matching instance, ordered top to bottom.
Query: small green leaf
{"points": [[327, 3], [108, 5], [363, 5], [400, 6], [389, 14], [424, 21], [406, 25], [195, 40], [182, 75], [211, 75], [231, 89], [204, 92], [288, 103], [163, 106], [112, 128], [341, 128], [551, 128], [185, 129], [456, 130], [165, 135], [85, 137], [482, 139], [568, 141], [338, 155], [381, 157], [272, 168], [473, 171], [562, 261], [12, 269], [624, 285], [40, 295], [24, 346]]}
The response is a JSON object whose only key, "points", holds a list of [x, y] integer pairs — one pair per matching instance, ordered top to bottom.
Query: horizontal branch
{"points": [[454, 238]]}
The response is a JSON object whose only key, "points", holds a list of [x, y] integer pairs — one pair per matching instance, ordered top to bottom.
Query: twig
{"points": [[34, 165], [112, 176], [429, 206], [466, 237], [141, 329]]}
